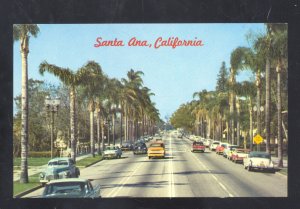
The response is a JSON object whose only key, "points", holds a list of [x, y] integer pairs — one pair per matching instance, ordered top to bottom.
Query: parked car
{"points": [[206, 142], [214, 145], [127, 146], [198, 146], [140, 148], [220, 148], [156, 149], [228, 150], [112, 151], [239, 154], [258, 160], [59, 168], [71, 188]]}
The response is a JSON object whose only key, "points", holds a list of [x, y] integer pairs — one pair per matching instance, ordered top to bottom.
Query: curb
{"points": [[93, 163], [28, 191]]}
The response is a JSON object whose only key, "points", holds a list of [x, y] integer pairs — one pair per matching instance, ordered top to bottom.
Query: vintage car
{"points": [[214, 145], [127, 146], [198, 146], [140, 148], [220, 148], [156, 149], [228, 150], [112, 151], [239, 154], [258, 160], [59, 168], [71, 188]]}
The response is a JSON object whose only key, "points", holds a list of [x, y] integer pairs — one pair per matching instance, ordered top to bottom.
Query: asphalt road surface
{"points": [[181, 174]]}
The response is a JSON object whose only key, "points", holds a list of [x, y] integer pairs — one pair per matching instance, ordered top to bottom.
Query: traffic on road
{"points": [[171, 167]]}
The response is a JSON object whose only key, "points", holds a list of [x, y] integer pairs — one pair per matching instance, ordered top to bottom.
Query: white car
{"points": [[214, 145], [228, 151], [112, 152], [258, 160]]}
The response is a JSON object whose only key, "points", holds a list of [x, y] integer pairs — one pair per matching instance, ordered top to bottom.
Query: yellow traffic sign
{"points": [[258, 139]]}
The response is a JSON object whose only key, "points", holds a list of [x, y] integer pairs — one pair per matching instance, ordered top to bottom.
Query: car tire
{"points": [[149, 157]]}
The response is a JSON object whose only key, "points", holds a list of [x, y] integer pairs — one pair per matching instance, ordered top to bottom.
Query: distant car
{"points": [[206, 142], [214, 145], [127, 146], [198, 146], [140, 148], [220, 148], [156, 149], [228, 150], [112, 151], [238, 155], [258, 160], [59, 168], [71, 188]]}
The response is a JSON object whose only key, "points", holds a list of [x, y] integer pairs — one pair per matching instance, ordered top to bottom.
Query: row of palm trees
{"points": [[104, 96], [225, 109]]}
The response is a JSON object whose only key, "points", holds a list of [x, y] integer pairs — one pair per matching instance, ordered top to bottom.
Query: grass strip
{"points": [[88, 160], [33, 161], [20, 187]]}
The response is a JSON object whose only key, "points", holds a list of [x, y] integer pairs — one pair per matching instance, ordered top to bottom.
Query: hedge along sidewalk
{"points": [[32, 170], [23, 189]]}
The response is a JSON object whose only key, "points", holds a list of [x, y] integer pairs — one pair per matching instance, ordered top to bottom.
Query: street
{"points": [[180, 174]]}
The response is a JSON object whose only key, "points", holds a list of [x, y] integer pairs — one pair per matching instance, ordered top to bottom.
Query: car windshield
{"points": [[216, 143], [224, 145], [233, 147], [241, 151], [260, 155], [59, 162], [66, 187]]}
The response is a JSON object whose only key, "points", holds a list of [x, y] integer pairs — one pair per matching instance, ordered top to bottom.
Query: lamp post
{"points": [[52, 106]]}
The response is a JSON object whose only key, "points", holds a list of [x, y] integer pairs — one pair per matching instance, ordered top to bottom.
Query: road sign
{"points": [[258, 139]]}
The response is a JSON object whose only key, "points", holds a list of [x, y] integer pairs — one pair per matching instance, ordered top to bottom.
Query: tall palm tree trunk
{"points": [[258, 84], [267, 109], [279, 116], [72, 122], [238, 123], [251, 123], [114, 128], [121, 128], [24, 130], [99, 132], [92, 133], [102, 133]]}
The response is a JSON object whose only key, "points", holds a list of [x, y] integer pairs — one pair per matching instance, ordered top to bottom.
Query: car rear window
{"points": [[198, 143], [216, 143], [156, 145], [260, 155]]}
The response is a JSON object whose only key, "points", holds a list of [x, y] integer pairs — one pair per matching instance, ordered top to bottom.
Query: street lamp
{"points": [[52, 106]]}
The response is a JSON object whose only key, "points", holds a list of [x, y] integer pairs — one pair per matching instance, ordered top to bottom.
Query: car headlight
{"points": [[42, 175]]}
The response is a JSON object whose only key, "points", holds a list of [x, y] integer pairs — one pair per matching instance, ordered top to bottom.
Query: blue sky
{"points": [[172, 74]]}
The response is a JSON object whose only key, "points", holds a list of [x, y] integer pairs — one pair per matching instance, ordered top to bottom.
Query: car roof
{"points": [[59, 158], [67, 180]]}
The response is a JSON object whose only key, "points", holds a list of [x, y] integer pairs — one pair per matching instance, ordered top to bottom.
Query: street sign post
{"points": [[258, 139]]}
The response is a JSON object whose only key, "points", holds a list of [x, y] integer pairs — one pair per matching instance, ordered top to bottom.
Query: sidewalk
{"points": [[275, 161], [32, 170]]}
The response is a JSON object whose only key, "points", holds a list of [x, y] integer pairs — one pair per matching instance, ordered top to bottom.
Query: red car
{"points": [[198, 146], [220, 148], [238, 155]]}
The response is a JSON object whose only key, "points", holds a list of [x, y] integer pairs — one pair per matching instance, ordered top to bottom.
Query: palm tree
{"points": [[22, 33], [278, 35], [236, 60], [72, 80], [93, 88], [247, 89]]}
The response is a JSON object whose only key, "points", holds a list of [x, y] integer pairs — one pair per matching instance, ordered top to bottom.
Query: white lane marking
{"points": [[171, 176], [217, 180], [116, 190]]}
